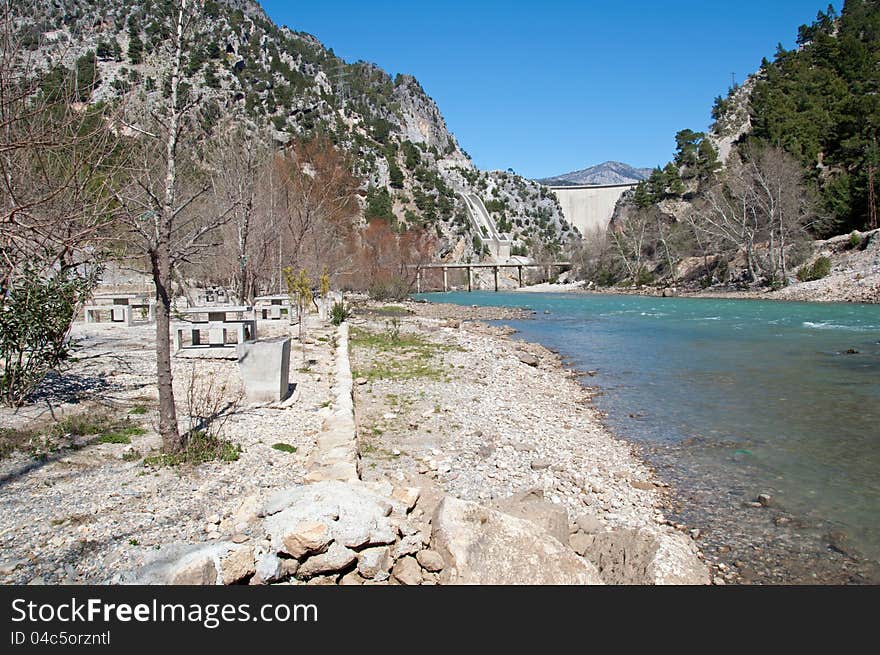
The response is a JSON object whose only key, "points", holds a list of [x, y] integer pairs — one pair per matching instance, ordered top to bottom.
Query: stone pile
{"points": [[328, 532]]}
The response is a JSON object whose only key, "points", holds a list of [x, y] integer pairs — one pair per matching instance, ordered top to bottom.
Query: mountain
{"points": [[287, 84], [609, 172]]}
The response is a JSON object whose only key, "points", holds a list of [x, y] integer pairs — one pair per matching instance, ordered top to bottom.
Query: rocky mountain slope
{"points": [[241, 64], [609, 172]]}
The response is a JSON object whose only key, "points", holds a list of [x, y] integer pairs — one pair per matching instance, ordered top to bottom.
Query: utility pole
{"points": [[872, 200]]}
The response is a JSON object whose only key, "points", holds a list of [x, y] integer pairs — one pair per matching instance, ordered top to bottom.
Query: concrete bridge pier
{"points": [[495, 271], [519, 275], [470, 279], [445, 280]]}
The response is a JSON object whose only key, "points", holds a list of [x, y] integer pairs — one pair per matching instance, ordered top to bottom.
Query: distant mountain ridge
{"points": [[609, 172]]}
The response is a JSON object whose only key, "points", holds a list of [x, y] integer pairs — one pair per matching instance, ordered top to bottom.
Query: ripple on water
{"points": [[779, 405]]}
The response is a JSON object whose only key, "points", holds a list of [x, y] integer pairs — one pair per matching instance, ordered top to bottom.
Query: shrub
{"points": [[855, 239], [820, 268], [643, 277], [394, 287], [339, 313], [36, 315], [392, 330], [201, 447], [284, 447]]}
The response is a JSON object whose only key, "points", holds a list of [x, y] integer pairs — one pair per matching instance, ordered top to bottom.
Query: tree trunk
{"points": [[171, 439], [172, 442]]}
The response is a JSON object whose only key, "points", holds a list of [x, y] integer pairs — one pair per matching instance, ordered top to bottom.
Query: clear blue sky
{"points": [[553, 86]]}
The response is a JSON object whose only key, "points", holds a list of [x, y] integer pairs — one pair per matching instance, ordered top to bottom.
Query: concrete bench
{"points": [[122, 308], [274, 308], [218, 325]]}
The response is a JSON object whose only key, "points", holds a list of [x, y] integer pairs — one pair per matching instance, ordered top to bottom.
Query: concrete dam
{"points": [[590, 207]]}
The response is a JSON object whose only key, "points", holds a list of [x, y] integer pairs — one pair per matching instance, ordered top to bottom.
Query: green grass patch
{"points": [[387, 310], [404, 356], [138, 410], [123, 435], [114, 438], [41, 440], [284, 447], [200, 448], [368, 449], [131, 456]]}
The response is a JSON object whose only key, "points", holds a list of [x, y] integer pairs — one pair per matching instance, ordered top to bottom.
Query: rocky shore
{"points": [[854, 278], [461, 409], [440, 451]]}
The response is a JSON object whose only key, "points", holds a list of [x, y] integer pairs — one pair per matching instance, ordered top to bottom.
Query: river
{"points": [[730, 399]]}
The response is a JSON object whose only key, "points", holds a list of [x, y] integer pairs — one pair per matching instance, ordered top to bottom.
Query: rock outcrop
{"points": [[486, 546]]}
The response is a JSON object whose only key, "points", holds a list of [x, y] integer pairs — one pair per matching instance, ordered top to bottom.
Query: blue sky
{"points": [[553, 86]]}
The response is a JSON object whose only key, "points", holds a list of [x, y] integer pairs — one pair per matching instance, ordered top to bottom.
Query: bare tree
{"points": [[57, 159], [239, 161], [56, 163], [781, 198], [317, 205], [760, 208], [162, 212], [631, 237], [593, 258], [385, 263]]}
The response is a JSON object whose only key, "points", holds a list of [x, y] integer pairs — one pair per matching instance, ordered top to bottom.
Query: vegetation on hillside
{"points": [[820, 103], [803, 164]]}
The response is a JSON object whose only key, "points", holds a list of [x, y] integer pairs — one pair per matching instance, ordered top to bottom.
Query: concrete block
{"points": [[265, 369]]}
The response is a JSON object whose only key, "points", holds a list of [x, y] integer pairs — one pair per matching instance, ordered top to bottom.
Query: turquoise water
{"points": [[732, 398]]}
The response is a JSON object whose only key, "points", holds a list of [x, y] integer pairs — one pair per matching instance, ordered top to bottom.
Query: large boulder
{"points": [[531, 506], [306, 519], [480, 545], [646, 558], [181, 564]]}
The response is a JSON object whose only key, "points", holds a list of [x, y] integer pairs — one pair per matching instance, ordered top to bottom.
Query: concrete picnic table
{"points": [[121, 307], [272, 307], [217, 324]]}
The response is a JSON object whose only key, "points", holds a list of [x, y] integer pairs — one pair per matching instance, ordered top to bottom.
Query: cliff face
{"points": [[240, 64], [422, 122]]}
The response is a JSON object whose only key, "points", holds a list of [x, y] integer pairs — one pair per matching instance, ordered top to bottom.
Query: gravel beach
{"points": [[452, 407]]}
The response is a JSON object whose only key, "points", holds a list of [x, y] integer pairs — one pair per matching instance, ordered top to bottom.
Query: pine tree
{"points": [[135, 46], [708, 163], [395, 175], [657, 185], [674, 185], [641, 195]]}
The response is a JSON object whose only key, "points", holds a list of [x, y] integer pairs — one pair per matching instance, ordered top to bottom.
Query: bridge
{"points": [[590, 207], [548, 268]]}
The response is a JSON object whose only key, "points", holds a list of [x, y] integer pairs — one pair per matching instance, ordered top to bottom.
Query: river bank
{"points": [[854, 277], [730, 402], [471, 411], [460, 420]]}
